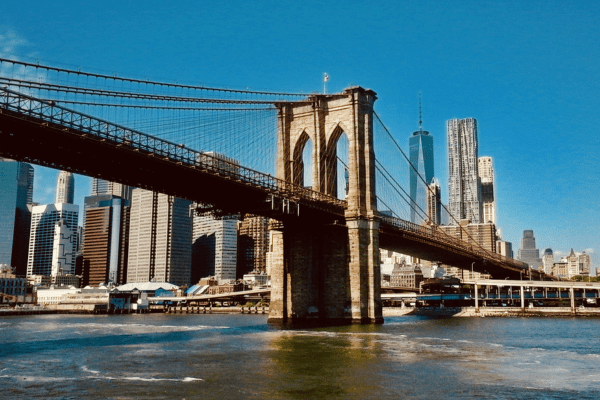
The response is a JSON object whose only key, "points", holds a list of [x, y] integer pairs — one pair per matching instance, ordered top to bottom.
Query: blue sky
{"points": [[528, 71]]}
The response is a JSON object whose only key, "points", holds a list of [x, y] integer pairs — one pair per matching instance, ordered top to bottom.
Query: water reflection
{"points": [[325, 363]]}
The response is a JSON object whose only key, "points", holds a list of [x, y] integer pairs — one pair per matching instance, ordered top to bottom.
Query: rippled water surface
{"points": [[156, 356]]}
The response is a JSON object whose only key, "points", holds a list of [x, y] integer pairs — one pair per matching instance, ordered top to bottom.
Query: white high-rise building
{"points": [[65, 187], [464, 187], [488, 192], [434, 202], [160, 238], [41, 241], [215, 247], [63, 255], [548, 261]]}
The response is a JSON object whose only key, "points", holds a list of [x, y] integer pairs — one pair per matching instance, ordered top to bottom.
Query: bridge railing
{"points": [[51, 113], [433, 233]]}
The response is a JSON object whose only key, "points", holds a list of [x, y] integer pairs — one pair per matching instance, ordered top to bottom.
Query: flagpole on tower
{"points": [[325, 79]]}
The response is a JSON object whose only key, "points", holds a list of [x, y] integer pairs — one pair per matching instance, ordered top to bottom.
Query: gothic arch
{"points": [[297, 159], [330, 160]]}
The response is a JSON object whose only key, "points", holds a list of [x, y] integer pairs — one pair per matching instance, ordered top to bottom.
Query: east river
{"points": [[156, 356]]}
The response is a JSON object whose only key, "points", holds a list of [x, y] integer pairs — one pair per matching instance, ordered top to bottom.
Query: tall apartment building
{"points": [[421, 157], [486, 177], [464, 186], [65, 187], [16, 197], [160, 230], [41, 242], [105, 244], [253, 244], [214, 248], [528, 253]]}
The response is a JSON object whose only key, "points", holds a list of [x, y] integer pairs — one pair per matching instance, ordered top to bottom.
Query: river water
{"points": [[156, 356]]}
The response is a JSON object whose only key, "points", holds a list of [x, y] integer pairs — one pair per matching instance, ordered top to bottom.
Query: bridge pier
{"points": [[328, 274]]}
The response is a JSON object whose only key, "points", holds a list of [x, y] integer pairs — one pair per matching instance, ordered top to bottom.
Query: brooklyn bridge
{"points": [[323, 167]]}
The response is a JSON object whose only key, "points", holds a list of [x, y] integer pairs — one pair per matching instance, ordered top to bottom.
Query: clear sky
{"points": [[528, 71]]}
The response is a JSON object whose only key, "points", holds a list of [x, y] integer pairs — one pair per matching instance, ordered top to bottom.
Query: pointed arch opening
{"points": [[336, 161], [302, 171]]}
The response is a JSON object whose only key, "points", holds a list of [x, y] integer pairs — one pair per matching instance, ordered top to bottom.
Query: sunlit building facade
{"points": [[464, 187]]}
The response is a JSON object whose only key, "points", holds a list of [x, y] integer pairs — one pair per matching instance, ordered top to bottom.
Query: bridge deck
{"points": [[44, 133]]}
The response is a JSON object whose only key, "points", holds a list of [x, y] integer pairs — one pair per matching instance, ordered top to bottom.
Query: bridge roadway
{"points": [[44, 133]]}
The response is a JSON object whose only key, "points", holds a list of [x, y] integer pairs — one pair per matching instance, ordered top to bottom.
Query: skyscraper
{"points": [[421, 157], [486, 176], [100, 186], [464, 186], [65, 187], [16, 196], [434, 202], [160, 238], [106, 239], [41, 241], [63, 246], [214, 247], [528, 252]]}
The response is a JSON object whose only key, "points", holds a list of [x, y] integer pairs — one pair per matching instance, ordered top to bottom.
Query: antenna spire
{"points": [[420, 119]]}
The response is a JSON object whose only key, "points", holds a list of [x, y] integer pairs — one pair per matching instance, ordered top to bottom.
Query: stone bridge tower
{"points": [[322, 271]]}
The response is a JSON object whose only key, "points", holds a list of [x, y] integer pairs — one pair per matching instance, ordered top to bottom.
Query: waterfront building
{"points": [[421, 174], [486, 176], [464, 186], [65, 187], [16, 197], [160, 231], [41, 242], [105, 243], [253, 244], [214, 248], [528, 253], [548, 261], [559, 269], [406, 275], [256, 278], [66, 280], [11, 284], [53, 296]]}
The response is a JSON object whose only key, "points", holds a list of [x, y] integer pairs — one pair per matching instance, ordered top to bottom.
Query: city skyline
{"points": [[536, 111]]}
